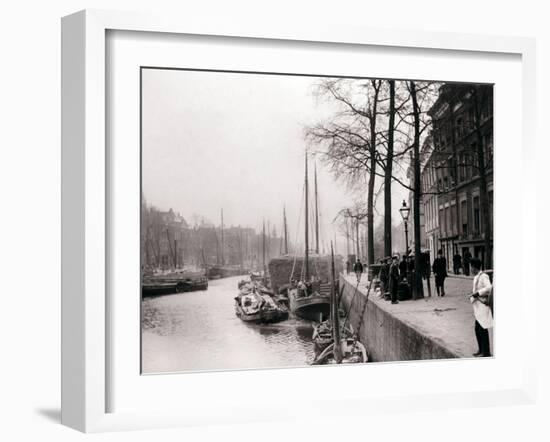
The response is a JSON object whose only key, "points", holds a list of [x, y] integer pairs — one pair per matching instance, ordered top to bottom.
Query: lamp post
{"points": [[405, 212]]}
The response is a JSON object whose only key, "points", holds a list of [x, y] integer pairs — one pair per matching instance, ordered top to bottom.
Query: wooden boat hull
{"points": [[167, 285], [315, 307], [259, 308], [261, 317], [353, 352]]}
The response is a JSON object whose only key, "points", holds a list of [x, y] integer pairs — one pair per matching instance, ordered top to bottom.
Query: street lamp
{"points": [[405, 212]]}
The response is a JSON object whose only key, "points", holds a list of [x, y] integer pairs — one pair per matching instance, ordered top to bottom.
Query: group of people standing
{"points": [[462, 263], [393, 271]]}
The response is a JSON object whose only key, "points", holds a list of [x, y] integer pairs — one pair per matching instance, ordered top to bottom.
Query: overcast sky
{"points": [[234, 141]]}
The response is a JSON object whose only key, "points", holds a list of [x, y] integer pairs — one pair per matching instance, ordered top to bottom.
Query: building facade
{"points": [[425, 154], [460, 172], [428, 175]]}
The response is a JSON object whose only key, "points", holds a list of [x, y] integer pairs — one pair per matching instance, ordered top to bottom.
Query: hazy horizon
{"points": [[235, 141]]}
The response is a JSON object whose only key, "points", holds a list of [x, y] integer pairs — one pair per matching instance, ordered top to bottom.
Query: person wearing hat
{"points": [[466, 261], [457, 263], [402, 267], [439, 268], [358, 269], [383, 276], [394, 278], [479, 298]]}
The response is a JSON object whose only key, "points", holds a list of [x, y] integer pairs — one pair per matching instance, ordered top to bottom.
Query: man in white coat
{"points": [[482, 311]]}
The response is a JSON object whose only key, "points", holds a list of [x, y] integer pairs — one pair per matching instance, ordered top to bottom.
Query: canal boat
{"points": [[177, 281], [309, 298], [252, 306], [322, 335], [340, 345], [351, 352]]}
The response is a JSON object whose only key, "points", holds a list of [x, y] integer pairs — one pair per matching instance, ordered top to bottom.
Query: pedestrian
{"points": [[466, 260], [457, 263], [348, 267], [403, 267], [439, 267], [358, 269], [425, 269], [410, 270], [383, 277], [394, 279], [480, 299]]}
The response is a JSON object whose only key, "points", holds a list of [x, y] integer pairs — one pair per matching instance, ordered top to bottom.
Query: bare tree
{"points": [[351, 137], [388, 172], [417, 280]]}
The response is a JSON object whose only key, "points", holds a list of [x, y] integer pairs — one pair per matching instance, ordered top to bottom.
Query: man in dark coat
{"points": [[467, 259], [457, 263], [403, 267], [439, 268], [358, 269], [383, 276], [394, 279]]}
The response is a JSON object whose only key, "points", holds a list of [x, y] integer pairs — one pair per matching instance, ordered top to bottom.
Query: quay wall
{"points": [[386, 337]]}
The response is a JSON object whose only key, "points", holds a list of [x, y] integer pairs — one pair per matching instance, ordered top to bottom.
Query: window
{"points": [[471, 118], [459, 130], [488, 144], [473, 160], [464, 216], [477, 216], [441, 219], [454, 219]]}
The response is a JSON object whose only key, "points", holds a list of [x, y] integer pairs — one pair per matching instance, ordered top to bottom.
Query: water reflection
{"points": [[199, 331]]}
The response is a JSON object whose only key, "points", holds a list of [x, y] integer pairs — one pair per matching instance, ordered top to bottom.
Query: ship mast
{"points": [[316, 214], [286, 231], [268, 240], [263, 244], [241, 258], [223, 259], [306, 259], [334, 312]]}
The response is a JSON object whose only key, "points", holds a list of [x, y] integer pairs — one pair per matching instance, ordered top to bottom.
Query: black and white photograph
{"points": [[304, 220], [243, 221]]}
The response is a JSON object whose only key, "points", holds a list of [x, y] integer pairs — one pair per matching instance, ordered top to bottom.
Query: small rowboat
{"points": [[353, 352]]}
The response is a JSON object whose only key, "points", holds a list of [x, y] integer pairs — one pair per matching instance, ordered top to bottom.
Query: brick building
{"points": [[459, 169], [429, 201]]}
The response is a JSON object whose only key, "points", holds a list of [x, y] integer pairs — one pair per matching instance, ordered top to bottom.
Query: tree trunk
{"points": [[388, 174], [372, 175], [357, 239], [417, 279]]}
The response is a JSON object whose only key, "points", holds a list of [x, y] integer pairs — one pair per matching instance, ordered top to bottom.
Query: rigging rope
{"points": [[364, 307]]}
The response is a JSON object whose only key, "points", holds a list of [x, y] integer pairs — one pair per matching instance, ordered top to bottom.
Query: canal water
{"points": [[198, 331]]}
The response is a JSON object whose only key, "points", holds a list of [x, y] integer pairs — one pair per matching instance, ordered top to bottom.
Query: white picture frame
{"points": [[85, 210]]}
